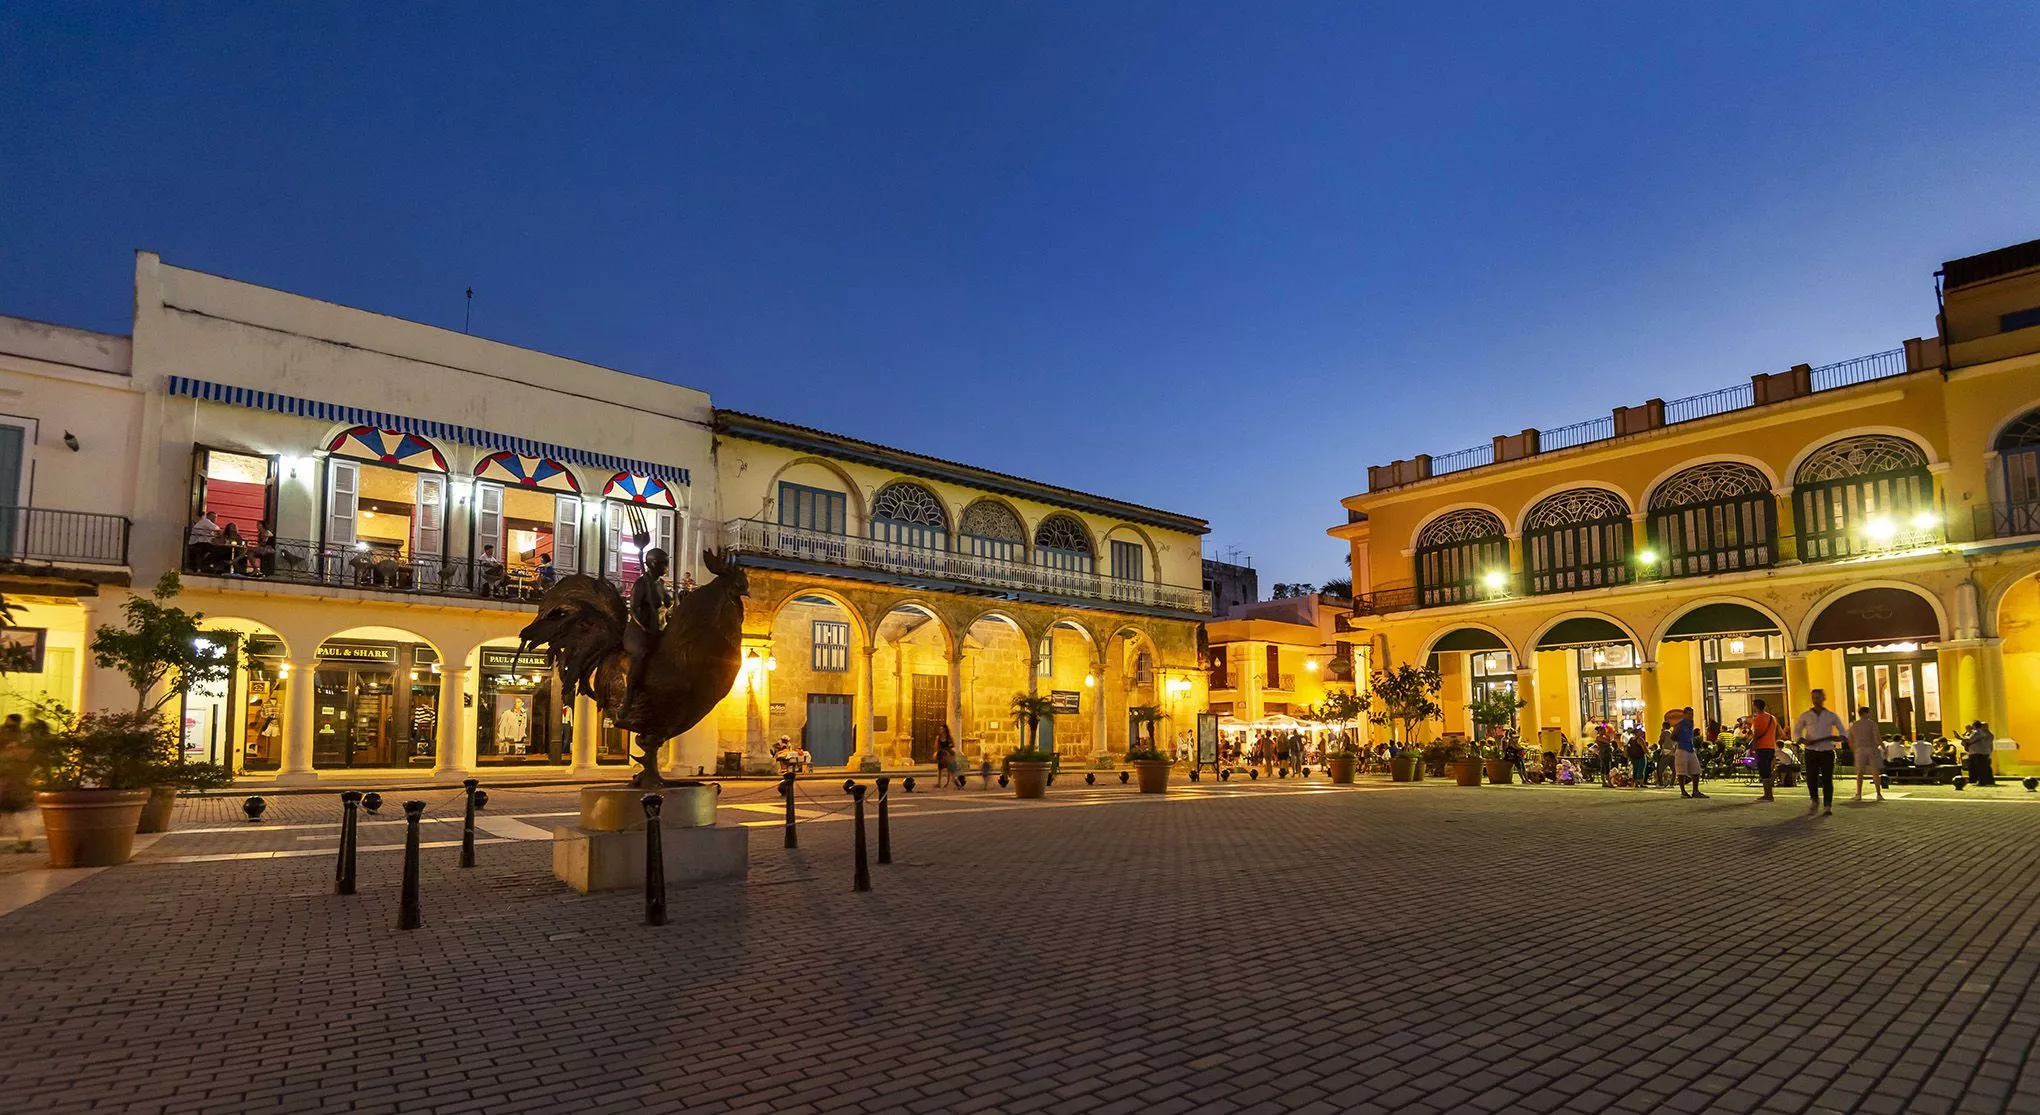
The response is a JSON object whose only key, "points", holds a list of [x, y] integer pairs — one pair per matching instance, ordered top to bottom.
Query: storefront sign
{"points": [[358, 652], [510, 660], [1066, 702]]}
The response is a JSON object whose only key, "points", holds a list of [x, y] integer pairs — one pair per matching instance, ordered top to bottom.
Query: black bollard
{"points": [[1123, 775], [908, 783], [786, 791], [372, 802], [253, 807], [884, 822], [467, 826], [655, 862], [343, 872], [862, 881], [407, 910]]}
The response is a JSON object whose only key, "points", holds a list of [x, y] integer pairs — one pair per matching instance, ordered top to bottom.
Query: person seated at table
{"points": [[201, 542], [231, 547], [258, 559], [490, 569], [546, 573], [1895, 751], [1944, 751], [1923, 754], [1550, 766]]}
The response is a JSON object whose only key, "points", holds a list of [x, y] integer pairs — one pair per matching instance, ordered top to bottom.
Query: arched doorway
{"points": [[2018, 625], [1887, 638], [816, 647], [1742, 659], [996, 661], [1473, 665], [1607, 665], [1065, 672], [910, 681], [375, 700], [522, 716], [239, 721]]}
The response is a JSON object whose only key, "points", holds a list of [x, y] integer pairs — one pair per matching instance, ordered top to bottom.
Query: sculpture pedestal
{"points": [[606, 851]]}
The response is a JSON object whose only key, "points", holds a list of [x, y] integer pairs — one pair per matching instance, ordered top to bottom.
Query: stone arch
{"points": [[2022, 417], [1799, 459], [1651, 490], [910, 501], [1522, 519], [997, 521], [1065, 527], [1417, 534], [1152, 562], [1992, 599], [916, 604], [1070, 621], [245, 625], [861, 626], [1544, 628], [1802, 632], [1657, 636], [1515, 653]]}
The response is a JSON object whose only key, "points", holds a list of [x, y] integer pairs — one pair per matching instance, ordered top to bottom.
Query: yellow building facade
{"points": [[1870, 528], [894, 594], [1279, 658]]}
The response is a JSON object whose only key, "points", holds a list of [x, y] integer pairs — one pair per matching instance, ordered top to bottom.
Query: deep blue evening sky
{"points": [[1213, 257]]}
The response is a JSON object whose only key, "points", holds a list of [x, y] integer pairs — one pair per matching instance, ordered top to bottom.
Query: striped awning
{"points": [[442, 431]]}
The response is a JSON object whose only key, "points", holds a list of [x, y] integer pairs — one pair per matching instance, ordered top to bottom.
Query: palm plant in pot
{"points": [[164, 654], [1400, 700], [1341, 707], [1492, 710], [1149, 763], [1028, 765]]}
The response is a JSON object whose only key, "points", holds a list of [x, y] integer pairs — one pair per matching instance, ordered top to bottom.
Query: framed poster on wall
{"points": [[21, 649]]}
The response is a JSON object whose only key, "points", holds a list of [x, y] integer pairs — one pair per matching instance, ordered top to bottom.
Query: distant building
{"points": [[1230, 585]]}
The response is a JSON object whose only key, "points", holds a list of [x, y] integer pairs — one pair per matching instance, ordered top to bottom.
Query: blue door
{"points": [[829, 736]]}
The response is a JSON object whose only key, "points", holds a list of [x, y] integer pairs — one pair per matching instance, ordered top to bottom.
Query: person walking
{"points": [[1819, 731], [1866, 740], [1764, 742], [1636, 754], [945, 758], [1687, 758], [17, 790]]}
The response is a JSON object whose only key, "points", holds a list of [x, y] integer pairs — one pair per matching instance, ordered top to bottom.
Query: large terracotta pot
{"points": [[1406, 767], [1342, 769], [1499, 770], [1465, 772], [1153, 775], [1030, 780], [156, 814], [91, 828]]}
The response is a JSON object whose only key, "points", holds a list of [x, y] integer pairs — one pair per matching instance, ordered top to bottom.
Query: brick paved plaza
{"points": [[1246, 948]]}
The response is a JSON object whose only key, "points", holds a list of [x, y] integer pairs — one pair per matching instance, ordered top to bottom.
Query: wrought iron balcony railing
{"points": [[2008, 519], [42, 535], [822, 548], [359, 566]]}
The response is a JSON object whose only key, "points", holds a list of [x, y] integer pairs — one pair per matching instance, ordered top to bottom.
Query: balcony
{"points": [[2008, 519], [43, 536], [812, 547], [337, 565], [1379, 603]]}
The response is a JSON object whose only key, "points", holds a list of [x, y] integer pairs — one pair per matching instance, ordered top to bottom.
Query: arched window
{"points": [[2018, 451], [1861, 494], [906, 514], [1713, 518], [990, 529], [1577, 539], [1062, 543], [1455, 554]]}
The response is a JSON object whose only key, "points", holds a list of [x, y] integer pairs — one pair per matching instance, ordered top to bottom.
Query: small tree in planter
{"points": [[164, 654], [1399, 700], [1340, 707], [1493, 709], [1149, 762], [1029, 765], [95, 774]]}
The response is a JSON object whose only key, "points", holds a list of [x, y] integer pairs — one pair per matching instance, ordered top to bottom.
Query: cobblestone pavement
{"points": [[1254, 948]]}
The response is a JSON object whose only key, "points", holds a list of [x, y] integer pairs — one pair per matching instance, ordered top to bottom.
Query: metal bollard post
{"points": [[786, 791], [884, 822], [467, 827], [655, 862], [343, 872], [863, 877], [407, 911]]}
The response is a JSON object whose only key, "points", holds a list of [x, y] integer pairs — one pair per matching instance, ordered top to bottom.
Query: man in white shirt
{"points": [[201, 542], [1819, 731], [1923, 754]]}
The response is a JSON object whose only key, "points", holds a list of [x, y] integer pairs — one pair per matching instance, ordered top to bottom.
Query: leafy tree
{"points": [[1341, 589], [161, 649], [1402, 698], [1495, 708], [1145, 716]]}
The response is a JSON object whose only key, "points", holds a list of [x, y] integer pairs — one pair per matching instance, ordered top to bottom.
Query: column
{"points": [[1797, 688], [956, 694], [1097, 694], [1654, 710], [1530, 718], [297, 723], [587, 729], [455, 752], [865, 757]]}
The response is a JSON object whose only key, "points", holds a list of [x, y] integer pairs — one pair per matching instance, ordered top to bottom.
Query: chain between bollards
{"points": [[786, 791], [884, 821], [467, 826], [655, 862], [343, 872], [862, 881], [408, 916]]}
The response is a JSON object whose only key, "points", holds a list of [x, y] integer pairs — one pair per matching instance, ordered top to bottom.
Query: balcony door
{"points": [[2018, 451], [622, 559]]}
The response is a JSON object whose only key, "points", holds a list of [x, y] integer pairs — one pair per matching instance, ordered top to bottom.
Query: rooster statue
{"points": [[654, 684]]}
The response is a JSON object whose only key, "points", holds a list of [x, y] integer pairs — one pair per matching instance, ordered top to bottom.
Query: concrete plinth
{"points": [[599, 861]]}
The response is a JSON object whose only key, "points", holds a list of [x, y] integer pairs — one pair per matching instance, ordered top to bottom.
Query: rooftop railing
{"points": [[1828, 377], [823, 548]]}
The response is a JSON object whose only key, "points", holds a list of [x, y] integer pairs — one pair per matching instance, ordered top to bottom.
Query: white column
{"points": [[1097, 694], [956, 696], [297, 722], [587, 728], [455, 752], [865, 758]]}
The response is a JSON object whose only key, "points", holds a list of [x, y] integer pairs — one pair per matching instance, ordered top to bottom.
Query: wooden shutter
{"points": [[343, 498], [489, 520], [428, 532], [567, 534]]}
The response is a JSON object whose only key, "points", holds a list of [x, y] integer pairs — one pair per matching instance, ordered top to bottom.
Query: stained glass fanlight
{"points": [[387, 447], [527, 472], [634, 488]]}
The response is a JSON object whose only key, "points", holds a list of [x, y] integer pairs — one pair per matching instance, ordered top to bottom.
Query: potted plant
{"points": [[165, 654], [1400, 700], [1340, 708], [1494, 709], [1462, 761], [1028, 765], [1150, 765], [94, 774]]}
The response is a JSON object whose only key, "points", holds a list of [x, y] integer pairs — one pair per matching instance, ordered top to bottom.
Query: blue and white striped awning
{"points": [[442, 431]]}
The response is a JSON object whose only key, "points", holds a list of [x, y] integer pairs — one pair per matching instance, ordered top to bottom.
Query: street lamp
{"points": [[1925, 520], [1880, 529], [1494, 579]]}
